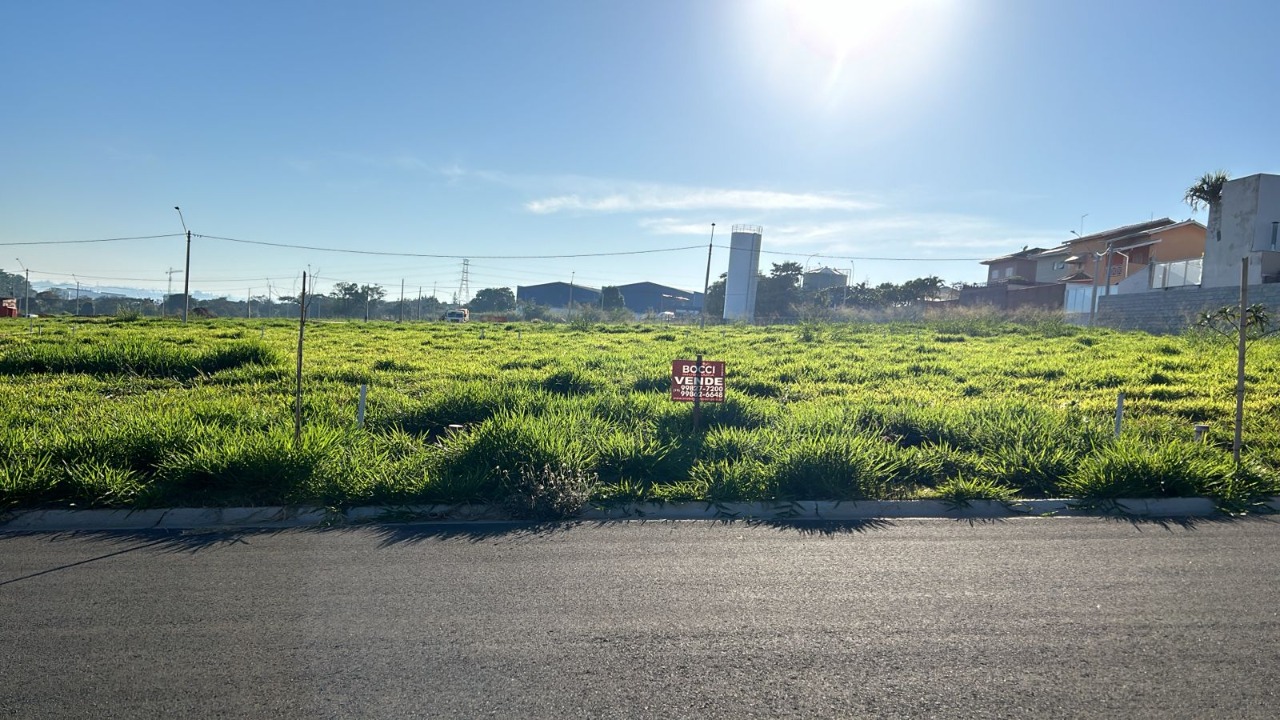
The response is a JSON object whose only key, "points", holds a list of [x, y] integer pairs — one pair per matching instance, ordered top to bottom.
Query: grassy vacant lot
{"points": [[106, 412]]}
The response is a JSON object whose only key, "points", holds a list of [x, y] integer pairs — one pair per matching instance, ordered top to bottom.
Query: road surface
{"points": [[905, 618]]}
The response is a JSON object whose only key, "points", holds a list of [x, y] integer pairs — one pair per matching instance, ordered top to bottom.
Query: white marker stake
{"points": [[360, 406], [1119, 412]]}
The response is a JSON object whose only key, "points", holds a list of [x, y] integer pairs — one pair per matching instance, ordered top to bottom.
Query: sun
{"points": [[839, 28], [853, 47]]}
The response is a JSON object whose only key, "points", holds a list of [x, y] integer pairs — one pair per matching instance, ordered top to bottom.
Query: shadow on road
{"points": [[1187, 523], [128, 541], [121, 542]]}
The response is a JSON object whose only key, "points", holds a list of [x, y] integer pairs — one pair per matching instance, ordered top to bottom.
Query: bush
{"points": [[510, 442], [836, 467], [1130, 468], [962, 491], [551, 492]]}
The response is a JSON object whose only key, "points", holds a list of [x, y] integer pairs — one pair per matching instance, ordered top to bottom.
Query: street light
{"points": [[186, 275]]}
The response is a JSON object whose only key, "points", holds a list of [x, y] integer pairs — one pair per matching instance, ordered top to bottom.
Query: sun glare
{"points": [[833, 49]]}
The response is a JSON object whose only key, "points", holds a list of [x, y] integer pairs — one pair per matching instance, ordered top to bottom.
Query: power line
{"points": [[97, 240], [387, 253], [449, 257], [861, 257], [95, 277], [207, 281]]}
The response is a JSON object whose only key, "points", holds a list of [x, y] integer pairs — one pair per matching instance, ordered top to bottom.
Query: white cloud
{"points": [[644, 198], [832, 223], [675, 226], [900, 234], [925, 235]]}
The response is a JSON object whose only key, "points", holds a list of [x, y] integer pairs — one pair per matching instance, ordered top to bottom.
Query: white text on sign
{"points": [[692, 381]]}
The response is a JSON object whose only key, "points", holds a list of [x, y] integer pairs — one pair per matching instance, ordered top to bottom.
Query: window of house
{"points": [[1060, 265]]}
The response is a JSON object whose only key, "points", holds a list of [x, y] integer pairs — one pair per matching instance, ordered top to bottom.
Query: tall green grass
{"points": [[133, 357], [98, 413]]}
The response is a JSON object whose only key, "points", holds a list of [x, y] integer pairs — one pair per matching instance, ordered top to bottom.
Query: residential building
{"points": [[1119, 253], [1133, 258], [1019, 266]]}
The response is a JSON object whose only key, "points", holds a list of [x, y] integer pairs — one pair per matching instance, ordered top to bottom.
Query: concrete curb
{"points": [[809, 510]]}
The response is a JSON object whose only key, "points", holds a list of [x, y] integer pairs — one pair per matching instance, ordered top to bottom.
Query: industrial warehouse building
{"points": [[557, 294], [647, 297], [639, 298]]}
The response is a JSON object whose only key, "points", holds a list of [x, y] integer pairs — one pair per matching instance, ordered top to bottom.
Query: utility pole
{"points": [[186, 275], [572, 275], [1107, 276], [706, 282], [1093, 296], [26, 302], [419, 303], [248, 304], [400, 316], [1241, 344], [297, 402]]}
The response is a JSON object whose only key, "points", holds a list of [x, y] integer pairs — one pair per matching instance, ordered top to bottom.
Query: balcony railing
{"points": [[1176, 274]]}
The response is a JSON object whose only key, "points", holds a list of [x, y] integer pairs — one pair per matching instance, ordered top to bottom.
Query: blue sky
{"points": [[921, 129]]}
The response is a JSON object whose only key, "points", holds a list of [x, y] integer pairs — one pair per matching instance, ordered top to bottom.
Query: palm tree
{"points": [[1207, 191]]}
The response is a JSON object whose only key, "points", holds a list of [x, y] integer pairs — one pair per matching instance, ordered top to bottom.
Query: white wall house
{"points": [[1246, 223]]}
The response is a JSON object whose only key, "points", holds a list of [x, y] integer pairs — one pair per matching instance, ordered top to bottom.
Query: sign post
{"points": [[697, 381]]}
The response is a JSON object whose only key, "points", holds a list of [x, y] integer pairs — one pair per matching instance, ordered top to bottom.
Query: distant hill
{"points": [[110, 291]]}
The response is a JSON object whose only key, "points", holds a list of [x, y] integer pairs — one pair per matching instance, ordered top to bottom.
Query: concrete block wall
{"points": [[1176, 309]]}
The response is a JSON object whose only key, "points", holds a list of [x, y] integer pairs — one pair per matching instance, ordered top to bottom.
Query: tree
{"points": [[1207, 191], [925, 288], [777, 295], [862, 295], [611, 297], [353, 300], [493, 300], [713, 303], [431, 307], [534, 311]]}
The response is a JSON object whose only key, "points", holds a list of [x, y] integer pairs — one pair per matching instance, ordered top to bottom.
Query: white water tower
{"points": [[744, 268]]}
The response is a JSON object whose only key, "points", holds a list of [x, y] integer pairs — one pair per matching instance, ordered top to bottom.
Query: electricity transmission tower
{"points": [[464, 287]]}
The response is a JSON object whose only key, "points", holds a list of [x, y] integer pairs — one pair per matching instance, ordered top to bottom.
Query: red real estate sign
{"points": [[685, 378]]}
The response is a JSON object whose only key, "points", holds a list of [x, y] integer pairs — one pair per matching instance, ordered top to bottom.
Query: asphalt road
{"points": [[908, 618]]}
